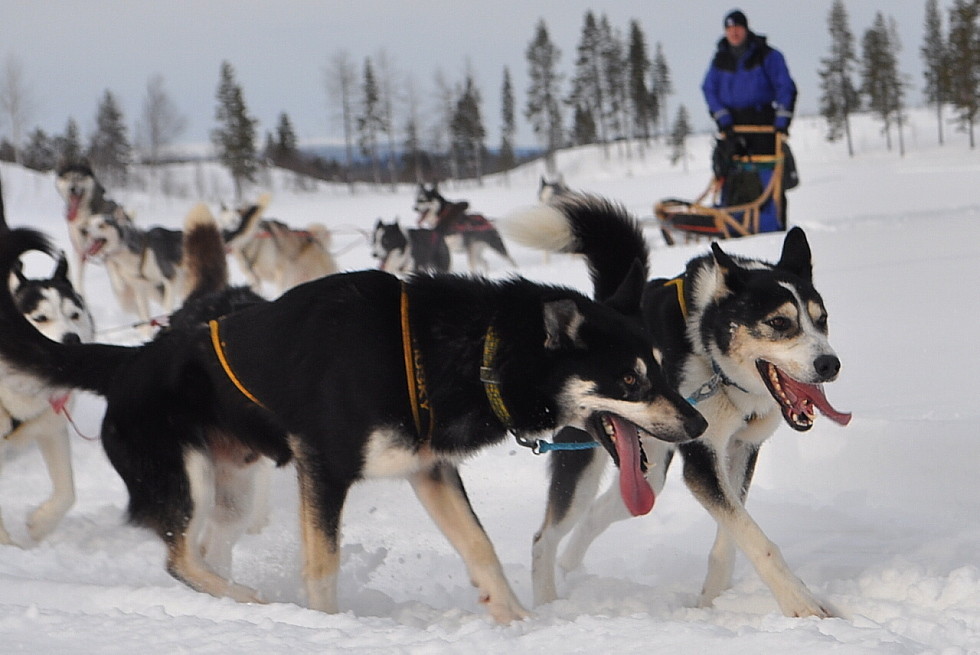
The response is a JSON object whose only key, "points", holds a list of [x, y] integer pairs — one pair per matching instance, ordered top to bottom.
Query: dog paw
{"points": [[243, 594], [802, 605], [505, 612]]}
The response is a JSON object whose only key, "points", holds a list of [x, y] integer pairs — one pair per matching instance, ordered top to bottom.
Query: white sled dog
{"points": [[746, 343]]}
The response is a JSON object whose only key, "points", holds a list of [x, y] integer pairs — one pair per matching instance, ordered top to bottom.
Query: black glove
{"points": [[783, 129], [728, 132]]}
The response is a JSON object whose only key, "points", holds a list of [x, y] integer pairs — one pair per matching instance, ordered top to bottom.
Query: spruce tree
{"points": [[613, 58], [934, 58], [964, 62], [638, 67], [880, 80], [661, 86], [588, 92], [840, 97], [542, 108], [370, 123], [508, 124], [468, 131], [678, 137], [234, 138], [68, 147], [109, 149], [39, 152]]}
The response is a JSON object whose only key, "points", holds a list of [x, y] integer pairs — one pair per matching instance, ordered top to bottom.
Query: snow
{"points": [[879, 518]]}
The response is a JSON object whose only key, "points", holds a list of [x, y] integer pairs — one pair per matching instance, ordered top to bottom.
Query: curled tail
{"points": [[248, 225], [600, 229], [88, 366]]}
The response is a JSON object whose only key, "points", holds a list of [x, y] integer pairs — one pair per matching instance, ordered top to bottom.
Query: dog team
{"points": [[707, 363]]}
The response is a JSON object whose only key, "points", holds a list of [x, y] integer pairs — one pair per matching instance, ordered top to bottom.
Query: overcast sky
{"points": [[71, 51]]}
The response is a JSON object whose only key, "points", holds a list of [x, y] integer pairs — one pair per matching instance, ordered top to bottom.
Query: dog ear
{"points": [[796, 257], [61, 269], [17, 270], [731, 275], [626, 299], [562, 321]]}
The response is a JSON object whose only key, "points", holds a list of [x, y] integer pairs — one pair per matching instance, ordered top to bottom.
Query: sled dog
{"points": [[552, 190], [84, 198], [463, 231], [400, 251], [281, 255], [145, 266], [746, 342], [353, 376], [31, 410]]}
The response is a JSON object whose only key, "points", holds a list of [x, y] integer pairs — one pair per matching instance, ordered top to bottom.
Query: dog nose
{"points": [[71, 338], [827, 366], [695, 424]]}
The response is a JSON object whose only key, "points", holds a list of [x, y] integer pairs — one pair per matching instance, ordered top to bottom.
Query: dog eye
{"points": [[40, 318], [780, 323], [629, 379]]}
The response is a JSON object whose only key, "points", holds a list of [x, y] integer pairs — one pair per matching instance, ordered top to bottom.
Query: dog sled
{"points": [[745, 195]]}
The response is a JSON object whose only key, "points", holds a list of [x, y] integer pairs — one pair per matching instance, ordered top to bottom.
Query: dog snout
{"points": [[71, 338], [827, 366], [695, 424]]}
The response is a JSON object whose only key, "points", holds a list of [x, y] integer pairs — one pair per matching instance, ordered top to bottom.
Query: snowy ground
{"points": [[878, 518]]}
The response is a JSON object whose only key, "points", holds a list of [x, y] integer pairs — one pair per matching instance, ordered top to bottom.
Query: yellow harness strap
{"points": [[678, 284], [219, 350], [414, 374], [491, 383]]}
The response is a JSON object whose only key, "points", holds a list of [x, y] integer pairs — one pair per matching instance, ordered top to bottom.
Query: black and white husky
{"points": [[84, 198], [464, 231], [401, 251], [746, 342], [353, 376], [32, 410]]}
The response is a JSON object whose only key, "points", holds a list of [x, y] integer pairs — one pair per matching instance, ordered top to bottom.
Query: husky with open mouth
{"points": [[746, 342]]}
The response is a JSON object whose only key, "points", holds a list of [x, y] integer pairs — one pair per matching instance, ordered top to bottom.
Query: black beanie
{"points": [[736, 18]]}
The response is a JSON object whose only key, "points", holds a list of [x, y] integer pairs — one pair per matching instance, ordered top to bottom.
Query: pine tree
{"points": [[934, 58], [964, 62], [638, 67], [614, 80], [880, 80], [661, 86], [588, 93], [840, 97], [542, 108], [370, 123], [508, 124], [583, 126], [468, 131], [678, 137], [234, 138], [68, 147], [283, 147], [109, 149], [39, 152]]}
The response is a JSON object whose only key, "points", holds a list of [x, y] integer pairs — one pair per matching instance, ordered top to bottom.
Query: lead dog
{"points": [[746, 342], [354, 376], [30, 409]]}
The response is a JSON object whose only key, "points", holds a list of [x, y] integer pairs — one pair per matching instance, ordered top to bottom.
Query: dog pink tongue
{"points": [[73, 203], [814, 393], [634, 488]]}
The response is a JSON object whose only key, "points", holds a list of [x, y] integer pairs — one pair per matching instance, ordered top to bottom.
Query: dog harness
{"points": [[219, 350], [718, 378], [491, 386], [418, 395]]}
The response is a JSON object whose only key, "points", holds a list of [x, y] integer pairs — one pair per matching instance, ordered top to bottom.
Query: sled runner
{"points": [[745, 195]]}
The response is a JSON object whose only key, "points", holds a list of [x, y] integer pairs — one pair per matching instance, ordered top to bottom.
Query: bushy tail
{"points": [[251, 218], [598, 228], [204, 252], [88, 366]]}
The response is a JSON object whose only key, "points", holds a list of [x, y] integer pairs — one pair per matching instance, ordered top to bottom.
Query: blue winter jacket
{"points": [[757, 85]]}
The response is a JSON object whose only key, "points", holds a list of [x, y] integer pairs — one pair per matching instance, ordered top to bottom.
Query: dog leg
{"points": [[55, 449], [575, 477], [713, 490], [441, 492], [233, 504], [260, 505], [320, 505], [609, 507], [5, 539], [185, 559]]}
